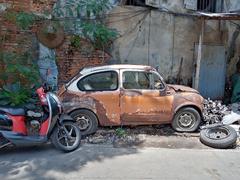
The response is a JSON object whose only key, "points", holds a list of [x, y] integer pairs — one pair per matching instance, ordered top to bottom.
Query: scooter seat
{"points": [[13, 110]]}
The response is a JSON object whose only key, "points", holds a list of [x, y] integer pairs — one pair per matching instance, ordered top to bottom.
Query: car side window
{"points": [[136, 80], [141, 80], [102, 81]]}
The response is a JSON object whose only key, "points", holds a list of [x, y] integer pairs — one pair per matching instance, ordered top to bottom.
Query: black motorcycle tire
{"points": [[227, 140], [56, 141]]}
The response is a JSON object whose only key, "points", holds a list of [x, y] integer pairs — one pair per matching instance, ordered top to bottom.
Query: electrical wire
{"points": [[69, 5], [129, 16], [236, 24], [137, 25], [149, 36], [135, 40]]}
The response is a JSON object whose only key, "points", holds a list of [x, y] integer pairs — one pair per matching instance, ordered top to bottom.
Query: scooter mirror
{"points": [[46, 87]]}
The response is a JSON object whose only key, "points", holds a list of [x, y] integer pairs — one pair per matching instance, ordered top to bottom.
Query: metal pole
{"points": [[149, 36], [173, 44], [199, 56]]}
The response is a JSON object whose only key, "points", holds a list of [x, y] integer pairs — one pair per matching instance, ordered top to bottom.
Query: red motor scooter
{"points": [[20, 126]]}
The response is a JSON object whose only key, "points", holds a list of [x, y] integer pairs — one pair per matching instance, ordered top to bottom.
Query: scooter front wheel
{"points": [[66, 137]]}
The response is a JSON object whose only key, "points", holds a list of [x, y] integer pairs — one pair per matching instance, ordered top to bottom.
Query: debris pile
{"points": [[214, 111], [131, 136]]}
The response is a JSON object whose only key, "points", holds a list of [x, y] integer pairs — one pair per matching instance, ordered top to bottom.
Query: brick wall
{"points": [[19, 5], [69, 60]]}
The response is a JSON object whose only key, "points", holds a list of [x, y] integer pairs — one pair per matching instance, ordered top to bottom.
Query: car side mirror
{"points": [[159, 85]]}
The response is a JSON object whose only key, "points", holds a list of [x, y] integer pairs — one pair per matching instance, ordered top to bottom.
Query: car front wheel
{"points": [[186, 120]]}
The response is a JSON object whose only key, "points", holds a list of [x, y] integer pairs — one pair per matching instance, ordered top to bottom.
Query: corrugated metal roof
{"points": [[219, 16]]}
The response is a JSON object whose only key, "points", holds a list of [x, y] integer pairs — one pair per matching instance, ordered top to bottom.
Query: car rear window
{"points": [[102, 81]]}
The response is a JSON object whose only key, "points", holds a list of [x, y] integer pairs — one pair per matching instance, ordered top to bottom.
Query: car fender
{"points": [[188, 100], [73, 102], [188, 104]]}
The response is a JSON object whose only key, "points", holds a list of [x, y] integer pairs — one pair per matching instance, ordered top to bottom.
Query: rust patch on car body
{"points": [[180, 88], [186, 96], [72, 101], [98, 102], [133, 106], [145, 107]]}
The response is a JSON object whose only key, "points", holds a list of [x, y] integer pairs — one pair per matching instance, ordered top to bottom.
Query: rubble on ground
{"points": [[216, 111], [213, 112], [131, 136]]}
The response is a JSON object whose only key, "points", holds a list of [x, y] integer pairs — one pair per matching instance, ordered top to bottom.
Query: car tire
{"points": [[186, 119], [85, 120], [220, 137]]}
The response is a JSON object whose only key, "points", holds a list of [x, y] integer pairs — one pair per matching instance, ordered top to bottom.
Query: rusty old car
{"points": [[116, 95]]}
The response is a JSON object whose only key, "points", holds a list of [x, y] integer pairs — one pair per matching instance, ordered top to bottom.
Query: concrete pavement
{"points": [[108, 163]]}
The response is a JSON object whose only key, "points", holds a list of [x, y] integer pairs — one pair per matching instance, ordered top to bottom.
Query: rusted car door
{"points": [[99, 92], [143, 98]]}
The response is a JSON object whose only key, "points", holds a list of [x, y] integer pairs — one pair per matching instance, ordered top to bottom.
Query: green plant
{"points": [[86, 8], [10, 16], [23, 20], [91, 25], [99, 34], [75, 41], [19, 67], [18, 76], [14, 94], [120, 132]]}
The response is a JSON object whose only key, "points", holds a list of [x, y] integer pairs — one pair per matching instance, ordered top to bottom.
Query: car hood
{"points": [[180, 88]]}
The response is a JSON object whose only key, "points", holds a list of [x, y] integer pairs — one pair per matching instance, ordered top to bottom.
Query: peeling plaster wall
{"points": [[232, 5], [176, 6], [170, 39], [231, 69]]}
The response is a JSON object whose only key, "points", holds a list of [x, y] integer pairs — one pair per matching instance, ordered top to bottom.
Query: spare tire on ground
{"points": [[220, 137]]}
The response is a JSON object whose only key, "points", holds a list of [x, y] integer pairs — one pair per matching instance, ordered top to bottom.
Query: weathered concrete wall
{"points": [[232, 5], [175, 6], [171, 38], [233, 44]]}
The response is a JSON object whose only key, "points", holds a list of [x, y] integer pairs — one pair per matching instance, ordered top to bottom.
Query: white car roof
{"points": [[113, 67]]}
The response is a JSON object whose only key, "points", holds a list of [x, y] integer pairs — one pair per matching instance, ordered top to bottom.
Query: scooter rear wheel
{"points": [[67, 137]]}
